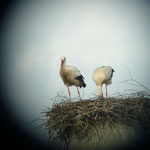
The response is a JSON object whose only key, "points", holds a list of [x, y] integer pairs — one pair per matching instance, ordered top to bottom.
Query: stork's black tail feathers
{"points": [[112, 73], [80, 78]]}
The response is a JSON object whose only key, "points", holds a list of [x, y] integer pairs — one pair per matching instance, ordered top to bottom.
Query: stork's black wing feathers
{"points": [[80, 78]]}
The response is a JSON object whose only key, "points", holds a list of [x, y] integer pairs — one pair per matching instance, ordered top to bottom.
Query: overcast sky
{"points": [[89, 33]]}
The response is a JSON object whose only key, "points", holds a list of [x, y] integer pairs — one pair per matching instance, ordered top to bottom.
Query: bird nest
{"points": [[80, 116]]}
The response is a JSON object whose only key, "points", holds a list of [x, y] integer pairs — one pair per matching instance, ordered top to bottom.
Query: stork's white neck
{"points": [[99, 90]]}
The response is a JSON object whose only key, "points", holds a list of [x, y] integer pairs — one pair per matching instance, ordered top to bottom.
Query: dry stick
{"points": [[131, 79], [139, 84]]}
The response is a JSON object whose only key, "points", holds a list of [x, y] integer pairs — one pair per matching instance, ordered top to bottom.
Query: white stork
{"points": [[102, 75], [71, 76]]}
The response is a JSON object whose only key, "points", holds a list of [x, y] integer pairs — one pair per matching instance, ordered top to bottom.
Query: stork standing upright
{"points": [[102, 75], [71, 76]]}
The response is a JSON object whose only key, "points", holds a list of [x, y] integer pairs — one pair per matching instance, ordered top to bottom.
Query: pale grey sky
{"points": [[89, 33]]}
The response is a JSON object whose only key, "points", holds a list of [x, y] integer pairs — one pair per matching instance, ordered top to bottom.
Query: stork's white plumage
{"points": [[102, 75], [71, 76]]}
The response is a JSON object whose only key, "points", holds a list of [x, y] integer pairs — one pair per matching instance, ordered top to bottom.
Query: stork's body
{"points": [[102, 75], [71, 76]]}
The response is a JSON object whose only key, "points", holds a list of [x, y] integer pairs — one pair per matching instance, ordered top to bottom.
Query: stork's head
{"points": [[63, 60], [100, 94]]}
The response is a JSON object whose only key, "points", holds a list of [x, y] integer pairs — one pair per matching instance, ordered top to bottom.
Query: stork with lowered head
{"points": [[102, 75]]}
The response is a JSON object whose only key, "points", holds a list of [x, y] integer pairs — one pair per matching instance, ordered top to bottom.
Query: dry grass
{"points": [[65, 117]]}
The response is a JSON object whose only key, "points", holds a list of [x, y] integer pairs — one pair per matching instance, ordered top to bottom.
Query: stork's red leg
{"points": [[106, 91], [78, 92], [69, 93]]}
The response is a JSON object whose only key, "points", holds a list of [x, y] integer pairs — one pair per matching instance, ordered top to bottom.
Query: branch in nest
{"points": [[129, 81]]}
